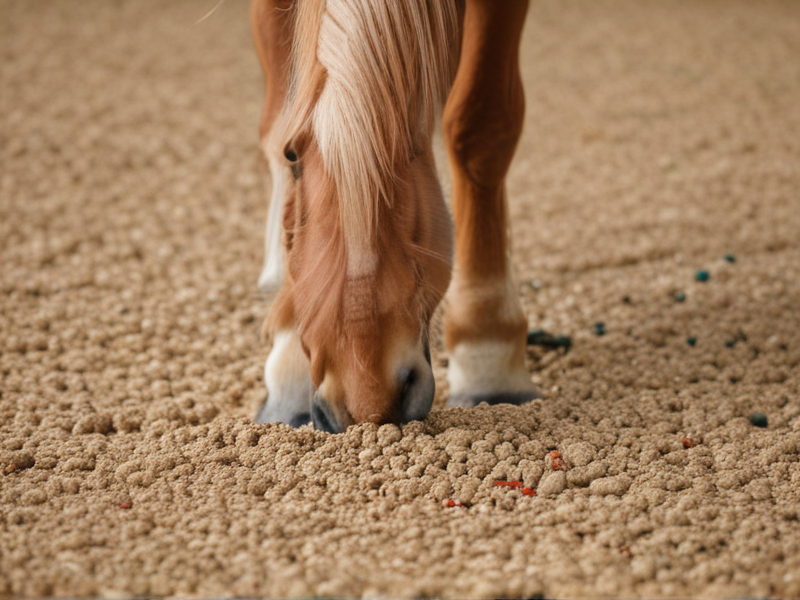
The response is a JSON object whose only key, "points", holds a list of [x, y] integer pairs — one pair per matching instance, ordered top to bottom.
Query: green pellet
{"points": [[536, 337], [540, 337], [563, 341]]}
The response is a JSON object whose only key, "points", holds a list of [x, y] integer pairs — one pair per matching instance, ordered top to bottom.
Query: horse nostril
{"points": [[408, 378], [416, 393], [322, 417]]}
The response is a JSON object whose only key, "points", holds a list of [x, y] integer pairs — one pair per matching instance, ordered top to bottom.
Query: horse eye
{"points": [[291, 156]]}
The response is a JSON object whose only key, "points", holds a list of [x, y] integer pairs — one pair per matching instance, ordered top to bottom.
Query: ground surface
{"points": [[659, 136]]}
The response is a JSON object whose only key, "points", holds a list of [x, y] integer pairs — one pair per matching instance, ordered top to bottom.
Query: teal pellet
{"points": [[541, 338], [563, 341]]}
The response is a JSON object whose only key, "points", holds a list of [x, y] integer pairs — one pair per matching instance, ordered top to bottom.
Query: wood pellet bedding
{"points": [[659, 138]]}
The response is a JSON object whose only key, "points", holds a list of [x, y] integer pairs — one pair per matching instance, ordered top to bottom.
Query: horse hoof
{"points": [[514, 398], [265, 415], [301, 419]]}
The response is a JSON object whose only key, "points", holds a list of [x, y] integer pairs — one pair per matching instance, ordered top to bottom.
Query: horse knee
{"points": [[481, 133]]}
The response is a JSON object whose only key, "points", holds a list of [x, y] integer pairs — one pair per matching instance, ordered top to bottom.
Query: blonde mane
{"points": [[368, 79]]}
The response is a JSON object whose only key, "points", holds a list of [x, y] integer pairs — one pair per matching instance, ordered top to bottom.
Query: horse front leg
{"points": [[485, 327], [287, 371]]}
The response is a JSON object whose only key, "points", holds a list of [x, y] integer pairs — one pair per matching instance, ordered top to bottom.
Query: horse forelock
{"points": [[368, 79]]}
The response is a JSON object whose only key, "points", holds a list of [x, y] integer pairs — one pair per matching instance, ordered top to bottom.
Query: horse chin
{"points": [[349, 398]]}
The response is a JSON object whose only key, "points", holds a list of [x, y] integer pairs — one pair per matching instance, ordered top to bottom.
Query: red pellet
{"points": [[688, 442], [556, 462], [510, 484], [526, 491], [453, 503], [126, 505]]}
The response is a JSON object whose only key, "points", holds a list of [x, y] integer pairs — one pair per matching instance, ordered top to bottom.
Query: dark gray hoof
{"points": [[514, 398], [267, 414], [301, 419]]}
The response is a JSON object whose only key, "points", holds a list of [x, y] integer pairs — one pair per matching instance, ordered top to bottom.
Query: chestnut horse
{"points": [[359, 238]]}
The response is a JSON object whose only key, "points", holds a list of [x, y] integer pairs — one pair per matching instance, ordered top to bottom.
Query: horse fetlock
{"points": [[491, 371], [288, 380]]}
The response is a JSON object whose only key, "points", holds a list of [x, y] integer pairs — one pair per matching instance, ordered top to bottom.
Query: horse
{"points": [[360, 244]]}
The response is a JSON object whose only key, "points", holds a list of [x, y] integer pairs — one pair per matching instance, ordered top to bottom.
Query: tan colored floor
{"points": [[659, 136]]}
